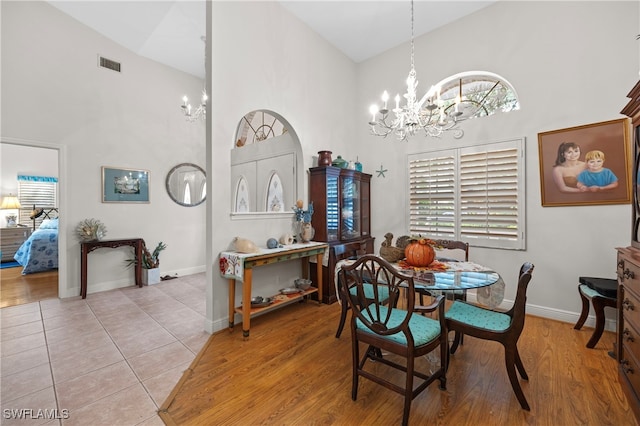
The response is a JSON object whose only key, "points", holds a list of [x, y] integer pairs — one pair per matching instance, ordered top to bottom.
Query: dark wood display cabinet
{"points": [[342, 214], [627, 348]]}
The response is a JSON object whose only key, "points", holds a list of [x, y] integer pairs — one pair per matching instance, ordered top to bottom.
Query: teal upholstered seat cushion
{"points": [[383, 291], [589, 292], [478, 317], [423, 329]]}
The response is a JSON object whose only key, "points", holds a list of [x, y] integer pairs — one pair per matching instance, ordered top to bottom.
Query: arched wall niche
{"points": [[266, 166]]}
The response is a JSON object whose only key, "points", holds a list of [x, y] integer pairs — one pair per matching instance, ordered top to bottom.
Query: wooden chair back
{"points": [[347, 250], [459, 250], [340, 252], [365, 278], [517, 311]]}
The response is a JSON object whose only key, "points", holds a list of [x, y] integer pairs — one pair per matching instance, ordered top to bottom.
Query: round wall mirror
{"points": [[187, 184]]}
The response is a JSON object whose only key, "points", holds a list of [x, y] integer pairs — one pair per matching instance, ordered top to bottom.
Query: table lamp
{"points": [[10, 202]]}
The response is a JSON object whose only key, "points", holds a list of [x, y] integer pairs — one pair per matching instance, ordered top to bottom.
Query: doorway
{"points": [[28, 158]]}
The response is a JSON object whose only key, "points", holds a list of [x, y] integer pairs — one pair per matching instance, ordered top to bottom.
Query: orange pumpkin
{"points": [[419, 253]]}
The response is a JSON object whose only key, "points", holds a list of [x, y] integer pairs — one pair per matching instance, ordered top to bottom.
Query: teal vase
{"points": [[340, 162]]}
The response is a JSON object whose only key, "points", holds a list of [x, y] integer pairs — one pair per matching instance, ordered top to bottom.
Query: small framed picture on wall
{"points": [[586, 165], [125, 185]]}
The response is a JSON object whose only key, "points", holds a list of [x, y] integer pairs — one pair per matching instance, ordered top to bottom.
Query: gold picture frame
{"points": [[569, 171]]}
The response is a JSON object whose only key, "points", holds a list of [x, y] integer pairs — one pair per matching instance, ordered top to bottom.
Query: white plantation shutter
{"points": [[38, 191], [473, 194], [432, 195]]}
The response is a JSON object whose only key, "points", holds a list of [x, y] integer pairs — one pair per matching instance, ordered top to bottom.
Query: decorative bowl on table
{"points": [[302, 283], [290, 290], [261, 302]]}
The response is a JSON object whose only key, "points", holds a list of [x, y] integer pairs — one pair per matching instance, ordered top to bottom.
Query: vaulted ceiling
{"points": [[170, 31]]}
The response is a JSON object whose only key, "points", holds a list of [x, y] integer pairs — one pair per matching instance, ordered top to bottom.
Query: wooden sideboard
{"points": [[11, 239], [628, 329]]}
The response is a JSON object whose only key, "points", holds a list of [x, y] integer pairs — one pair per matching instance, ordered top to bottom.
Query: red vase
{"points": [[324, 158]]}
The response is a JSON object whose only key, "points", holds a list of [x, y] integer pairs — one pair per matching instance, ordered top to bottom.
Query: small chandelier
{"points": [[201, 110], [431, 114]]}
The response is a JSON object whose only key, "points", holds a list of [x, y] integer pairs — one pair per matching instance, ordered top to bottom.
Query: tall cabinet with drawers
{"points": [[342, 214], [11, 239], [628, 271], [628, 336]]}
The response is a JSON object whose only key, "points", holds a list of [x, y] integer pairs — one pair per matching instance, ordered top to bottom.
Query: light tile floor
{"points": [[110, 359]]}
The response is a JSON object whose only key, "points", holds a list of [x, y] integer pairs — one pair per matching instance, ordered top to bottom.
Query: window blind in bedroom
{"points": [[38, 191]]}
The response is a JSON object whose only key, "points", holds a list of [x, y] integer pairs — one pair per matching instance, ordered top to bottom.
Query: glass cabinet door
{"points": [[333, 209], [350, 214]]}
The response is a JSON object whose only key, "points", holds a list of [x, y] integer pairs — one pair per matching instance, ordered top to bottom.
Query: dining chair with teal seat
{"points": [[349, 251], [503, 327], [395, 331]]}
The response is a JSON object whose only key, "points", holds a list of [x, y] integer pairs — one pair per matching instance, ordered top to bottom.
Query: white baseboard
{"points": [[112, 285], [570, 317]]}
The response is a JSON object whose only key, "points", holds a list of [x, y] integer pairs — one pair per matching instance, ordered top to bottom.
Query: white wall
{"points": [[264, 58], [571, 63], [53, 92]]}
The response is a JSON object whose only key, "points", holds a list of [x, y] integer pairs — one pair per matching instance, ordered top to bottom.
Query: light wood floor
{"points": [[18, 289], [293, 371]]}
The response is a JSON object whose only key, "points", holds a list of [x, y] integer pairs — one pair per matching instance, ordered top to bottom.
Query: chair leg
{"points": [[462, 297], [598, 307], [585, 311], [343, 317], [456, 342], [355, 354], [444, 361], [510, 362], [520, 366], [408, 392]]}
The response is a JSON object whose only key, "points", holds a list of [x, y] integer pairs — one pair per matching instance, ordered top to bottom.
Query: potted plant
{"points": [[150, 263]]}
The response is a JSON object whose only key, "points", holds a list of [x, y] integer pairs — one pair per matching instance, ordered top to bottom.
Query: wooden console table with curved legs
{"points": [[88, 247]]}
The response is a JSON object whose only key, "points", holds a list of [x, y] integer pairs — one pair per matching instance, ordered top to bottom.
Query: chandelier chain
{"points": [[412, 50], [430, 114]]}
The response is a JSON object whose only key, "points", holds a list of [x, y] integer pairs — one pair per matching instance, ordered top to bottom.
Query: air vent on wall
{"points": [[109, 64]]}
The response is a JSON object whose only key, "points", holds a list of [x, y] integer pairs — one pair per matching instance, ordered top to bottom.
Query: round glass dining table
{"points": [[457, 276], [453, 280], [489, 285]]}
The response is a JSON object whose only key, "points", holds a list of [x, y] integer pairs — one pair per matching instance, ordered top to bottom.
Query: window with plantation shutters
{"points": [[38, 191], [474, 194]]}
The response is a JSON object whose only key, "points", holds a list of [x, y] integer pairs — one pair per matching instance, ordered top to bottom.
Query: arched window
{"points": [[481, 93]]}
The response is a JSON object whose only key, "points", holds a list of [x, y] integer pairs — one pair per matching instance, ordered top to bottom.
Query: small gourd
{"points": [[272, 243], [243, 245], [419, 253]]}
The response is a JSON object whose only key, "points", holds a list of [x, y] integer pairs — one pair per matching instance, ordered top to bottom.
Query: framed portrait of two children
{"points": [[586, 165]]}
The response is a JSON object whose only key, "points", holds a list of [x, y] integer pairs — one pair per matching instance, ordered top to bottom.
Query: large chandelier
{"points": [[201, 111], [432, 114]]}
